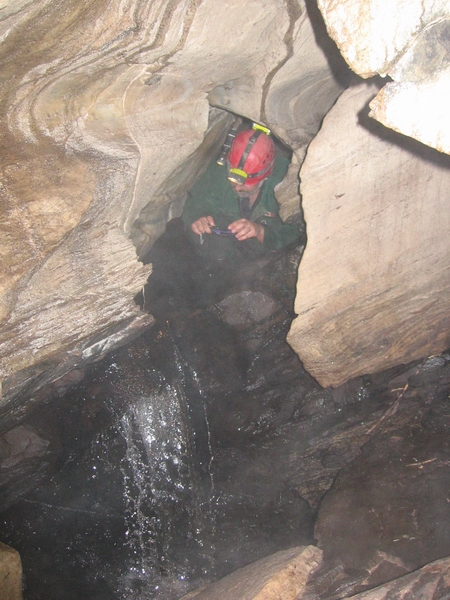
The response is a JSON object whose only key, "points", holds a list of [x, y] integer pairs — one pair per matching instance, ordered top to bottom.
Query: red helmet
{"points": [[251, 157]]}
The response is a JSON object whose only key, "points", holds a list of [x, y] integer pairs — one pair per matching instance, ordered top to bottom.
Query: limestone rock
{"points": [[409, 42], [293, 93], [418, 109], [367, 296], [10, 574], [280, 576]]}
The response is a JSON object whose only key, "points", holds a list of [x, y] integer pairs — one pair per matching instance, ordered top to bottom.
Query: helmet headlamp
{"points": [[258, 127], [226, 147], [237, 176]]}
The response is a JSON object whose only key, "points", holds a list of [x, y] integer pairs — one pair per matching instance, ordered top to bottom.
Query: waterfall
{"points": [[167, 488]]}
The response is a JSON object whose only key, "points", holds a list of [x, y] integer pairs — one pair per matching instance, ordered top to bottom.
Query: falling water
{"points": [[166, 496]]}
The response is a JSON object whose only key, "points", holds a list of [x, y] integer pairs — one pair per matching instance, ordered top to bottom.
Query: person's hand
{"points": [[202, 225], [244, 229]]}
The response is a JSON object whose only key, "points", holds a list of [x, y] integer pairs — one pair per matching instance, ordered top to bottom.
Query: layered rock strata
{"points": [[105, 123]]}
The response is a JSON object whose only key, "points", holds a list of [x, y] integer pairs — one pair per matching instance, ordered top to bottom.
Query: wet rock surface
{"points": [[204, 446]]}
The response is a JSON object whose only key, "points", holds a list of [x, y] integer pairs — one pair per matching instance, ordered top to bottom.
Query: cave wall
{"points": [[106, 119]]}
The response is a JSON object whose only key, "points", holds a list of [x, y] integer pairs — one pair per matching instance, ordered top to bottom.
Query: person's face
{"points": [[246, 189]]}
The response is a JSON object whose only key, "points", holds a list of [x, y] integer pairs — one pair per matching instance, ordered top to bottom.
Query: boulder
{"points": [[412, 50], [373, 288]]}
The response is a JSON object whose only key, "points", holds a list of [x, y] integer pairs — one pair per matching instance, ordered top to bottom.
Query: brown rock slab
{"points": [[10, 574], [282, 576], [332, 581], [432, 582]]}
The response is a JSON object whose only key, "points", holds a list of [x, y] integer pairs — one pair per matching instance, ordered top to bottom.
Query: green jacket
{"points": [[213, 196]]}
